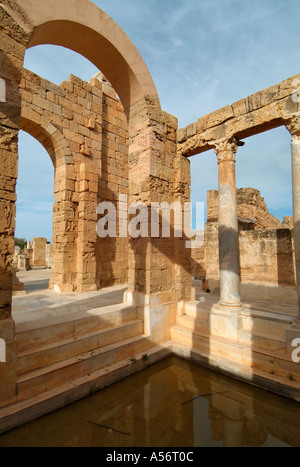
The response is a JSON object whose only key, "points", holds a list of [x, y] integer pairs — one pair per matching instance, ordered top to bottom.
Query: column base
{"points": [[236, 307], [158, 311], [226, 321], [8, 363]]}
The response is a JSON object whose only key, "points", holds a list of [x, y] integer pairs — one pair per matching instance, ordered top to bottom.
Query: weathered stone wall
{"points": [[14, 36], [67, 120], [90, 128], [88, 140], [250, 205], [266, 249], [39, 253], [112, 253], [266, 256], [199, 262]]}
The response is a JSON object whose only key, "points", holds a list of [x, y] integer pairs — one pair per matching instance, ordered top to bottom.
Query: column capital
{"points": [[293, 125], [226, 149]]}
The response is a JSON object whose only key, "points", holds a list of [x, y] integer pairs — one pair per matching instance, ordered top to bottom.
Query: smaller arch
{"points": [[83, 27], [48, 135]]}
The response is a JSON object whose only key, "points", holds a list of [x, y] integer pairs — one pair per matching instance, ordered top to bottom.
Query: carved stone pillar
{"points": [[293, 126], [228, 225]]}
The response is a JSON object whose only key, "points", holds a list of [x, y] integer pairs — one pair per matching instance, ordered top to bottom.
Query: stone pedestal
{"points": [[158, 312], [225, 322], [8, 368]]}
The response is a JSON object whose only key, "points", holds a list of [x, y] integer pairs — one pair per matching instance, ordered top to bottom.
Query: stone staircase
{"points": [[259, 353], [52, 356], [69, 357]]}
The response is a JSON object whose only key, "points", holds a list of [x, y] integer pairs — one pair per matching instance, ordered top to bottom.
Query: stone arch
{"points": [[81, 26], [50, 137], [155, 170]]}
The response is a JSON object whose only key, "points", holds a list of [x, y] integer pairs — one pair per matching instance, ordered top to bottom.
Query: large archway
{"points": [[81, 26], [156, 173], [63, 249]]}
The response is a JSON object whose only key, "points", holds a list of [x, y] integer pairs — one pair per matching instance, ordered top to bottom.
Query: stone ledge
{"points": [[273, 383], [17, 414]]}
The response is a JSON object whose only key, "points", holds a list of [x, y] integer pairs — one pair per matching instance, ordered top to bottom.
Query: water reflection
{"points": [[172, 404]]}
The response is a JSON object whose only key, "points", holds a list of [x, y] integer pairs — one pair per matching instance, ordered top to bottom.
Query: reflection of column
{"points": [[293, 127], [228, 224], [233, 433]]}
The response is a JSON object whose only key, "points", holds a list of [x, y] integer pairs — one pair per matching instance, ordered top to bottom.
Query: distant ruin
{"points": [[266, 250], [37, 254]]}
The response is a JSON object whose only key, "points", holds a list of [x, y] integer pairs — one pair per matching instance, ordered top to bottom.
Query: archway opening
{"points": [[264, 198], [34, 207], [265, 209]]}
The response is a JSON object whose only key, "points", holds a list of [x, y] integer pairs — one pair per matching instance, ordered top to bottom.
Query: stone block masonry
{"points": [[85, 133], [99, 150], [266, 248]]}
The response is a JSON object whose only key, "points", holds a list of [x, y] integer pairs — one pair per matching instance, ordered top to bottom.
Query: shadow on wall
{"points": [[285, 258]]}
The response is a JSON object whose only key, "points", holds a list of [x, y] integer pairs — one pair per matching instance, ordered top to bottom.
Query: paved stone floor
{"points": [[38, 303], [267, 306]]}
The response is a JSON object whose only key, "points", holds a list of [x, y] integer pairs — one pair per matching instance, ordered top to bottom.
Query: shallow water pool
{"points": [[174, 403]]}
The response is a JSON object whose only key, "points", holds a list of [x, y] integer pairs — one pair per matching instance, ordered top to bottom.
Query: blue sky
{"points": [[203, 55]]}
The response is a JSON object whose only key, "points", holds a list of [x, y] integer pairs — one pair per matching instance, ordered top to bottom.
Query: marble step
{"points": [[198, 310], [256, 322], [192, 323], [265, 323], [55, 329], [264, 337], [262, 340], [41, 356], [271, 361], [38, 381], [277, 383], [64, 394]]}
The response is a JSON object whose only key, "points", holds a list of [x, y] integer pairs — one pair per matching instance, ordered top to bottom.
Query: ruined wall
{"points": [[67, 120], [85, 133], [250, 205], [266, 251], [39, 253], [112, 253], [266, 256], [199, 262]]}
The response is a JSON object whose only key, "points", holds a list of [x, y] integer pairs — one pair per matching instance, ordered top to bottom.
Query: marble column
{"points": [[293, 126], [230, 295]]}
